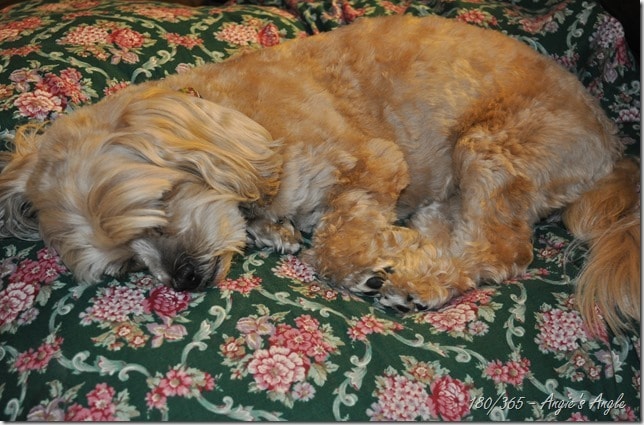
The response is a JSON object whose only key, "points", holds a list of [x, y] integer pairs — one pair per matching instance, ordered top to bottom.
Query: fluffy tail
{"points": [[607, 217]]}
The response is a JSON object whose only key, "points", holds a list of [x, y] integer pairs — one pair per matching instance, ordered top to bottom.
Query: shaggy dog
{"points": [[469, 135]]}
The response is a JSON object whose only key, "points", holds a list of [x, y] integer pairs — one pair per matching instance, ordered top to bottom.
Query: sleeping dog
{"points": [[469, 135]]}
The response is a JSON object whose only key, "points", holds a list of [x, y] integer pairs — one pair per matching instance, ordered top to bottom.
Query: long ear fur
{"points": [[231, 153], [99, 177], [126, 201], [17, 217]]}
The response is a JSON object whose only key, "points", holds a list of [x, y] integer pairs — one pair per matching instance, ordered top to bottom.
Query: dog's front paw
{"points": [[279, 235], [369, 283], [376, 283], [409, 292], [400, 300], [408, 301]]}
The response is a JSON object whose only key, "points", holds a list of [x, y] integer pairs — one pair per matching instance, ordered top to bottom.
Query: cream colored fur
{"points": [[470, 135]]}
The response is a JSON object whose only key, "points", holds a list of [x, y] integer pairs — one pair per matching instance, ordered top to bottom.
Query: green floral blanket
{"points": [[273, 342]]}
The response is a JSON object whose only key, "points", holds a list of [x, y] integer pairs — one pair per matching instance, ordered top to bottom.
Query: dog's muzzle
{"points": [[190, 275]]}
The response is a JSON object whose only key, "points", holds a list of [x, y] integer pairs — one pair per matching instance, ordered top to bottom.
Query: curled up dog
{"points": [[389, 118]]}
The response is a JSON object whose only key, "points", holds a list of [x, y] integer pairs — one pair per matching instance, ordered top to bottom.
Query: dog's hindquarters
{"points": [[607, 217]]}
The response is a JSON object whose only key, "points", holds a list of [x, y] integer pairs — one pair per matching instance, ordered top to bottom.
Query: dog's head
{"points": [[148, 177]]}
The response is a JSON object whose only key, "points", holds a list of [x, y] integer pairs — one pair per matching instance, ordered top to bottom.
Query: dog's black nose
{"points": [[186, 277]]}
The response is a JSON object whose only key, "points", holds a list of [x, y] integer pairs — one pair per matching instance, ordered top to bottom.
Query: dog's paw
{"points": [[279, 235], [369, 283], [376, 283], [407, 297], [400, 300]]}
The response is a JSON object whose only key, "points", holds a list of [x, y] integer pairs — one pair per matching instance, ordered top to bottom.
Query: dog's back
{"points": [[424, 83]]}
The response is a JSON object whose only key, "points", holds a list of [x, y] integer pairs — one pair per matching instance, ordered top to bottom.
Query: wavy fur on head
{"points": [[469, 135], [141, 180]]}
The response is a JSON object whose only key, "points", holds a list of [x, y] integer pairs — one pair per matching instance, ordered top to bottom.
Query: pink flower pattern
{"points": [[477, 17], [13, 30], [237, 34], [85, 35], [125, 38], [187, 41], [42, 95], [38, 104], [291, 267], [243, 285], [16, 298], [166, 302], [114, 304], [129, 311], [452, 319], [369, 324], [254, 328], [560, 330], [166, 332], [305, 339], [280, 356], [38, 359], [276, 369], [512, 372], [180, 381], [404, 397], [400, 399], [450, 399]]}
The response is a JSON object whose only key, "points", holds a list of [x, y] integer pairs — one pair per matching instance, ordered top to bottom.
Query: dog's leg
{"points": [[499, 201], [436, 220], [482, 233], [278, 234], [356, 241], [356, 245], [426, 274]]}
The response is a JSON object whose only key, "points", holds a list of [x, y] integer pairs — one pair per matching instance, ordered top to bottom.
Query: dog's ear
{"points": [[227, 150], [17, 217]]}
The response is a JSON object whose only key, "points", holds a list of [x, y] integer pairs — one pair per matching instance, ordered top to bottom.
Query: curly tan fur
{"points": [[469, 135]]}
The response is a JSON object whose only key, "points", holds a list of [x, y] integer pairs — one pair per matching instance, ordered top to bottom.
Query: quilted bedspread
{"points": [[273, 341]]}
